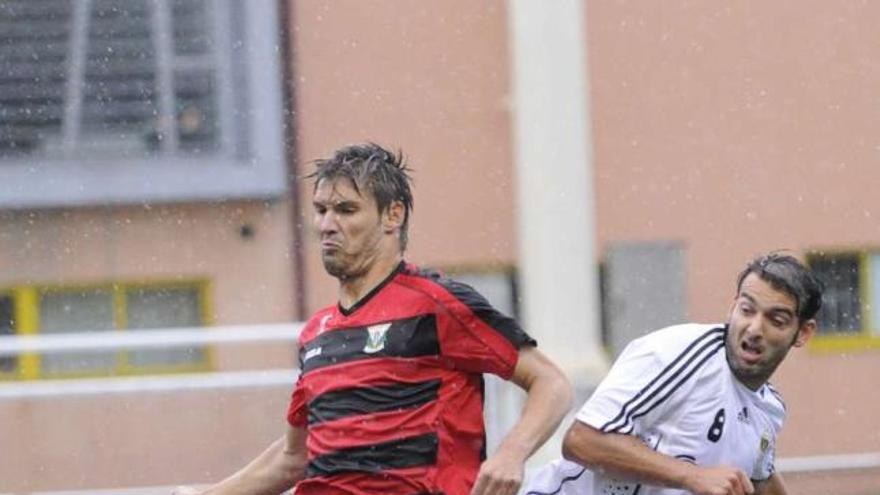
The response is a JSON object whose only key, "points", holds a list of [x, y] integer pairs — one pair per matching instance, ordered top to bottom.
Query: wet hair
{"points": [[371, 167], [787, 274]]}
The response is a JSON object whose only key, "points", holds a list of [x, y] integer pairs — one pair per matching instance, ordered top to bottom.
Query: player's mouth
{"points": [[330, 245], [750, 353]]}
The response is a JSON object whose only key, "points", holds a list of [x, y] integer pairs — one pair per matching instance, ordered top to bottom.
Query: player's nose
{"points": [[326, 222], [755, 327]]}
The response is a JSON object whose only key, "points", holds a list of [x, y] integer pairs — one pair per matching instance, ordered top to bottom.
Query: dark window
{"points": [[100, 78], [841, 303], [7, 327]]}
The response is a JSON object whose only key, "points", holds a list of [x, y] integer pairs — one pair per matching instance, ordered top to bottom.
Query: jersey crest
{"points": [[376, 338], [765, 442]]}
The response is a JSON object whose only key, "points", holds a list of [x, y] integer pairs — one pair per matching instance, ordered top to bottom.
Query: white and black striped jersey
{"points": [[674, 390]]}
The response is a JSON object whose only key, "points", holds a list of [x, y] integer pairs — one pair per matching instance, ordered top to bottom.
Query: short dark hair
{"points": [[369, 166], [787, 274]]}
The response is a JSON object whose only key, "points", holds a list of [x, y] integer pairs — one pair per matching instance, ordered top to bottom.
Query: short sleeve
{"points": [[475, 337], [635, 394], [297, 412]]}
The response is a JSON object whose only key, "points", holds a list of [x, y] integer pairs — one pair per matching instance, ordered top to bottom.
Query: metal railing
{"points": [[288, 332]]}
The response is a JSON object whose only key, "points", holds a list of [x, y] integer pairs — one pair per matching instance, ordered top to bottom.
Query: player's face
{"points": [[349, 226], [763, 326]]}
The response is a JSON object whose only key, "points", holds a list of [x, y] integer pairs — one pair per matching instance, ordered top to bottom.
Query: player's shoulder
{"points": [[429, 276], [439, 285], [317, 322], [677, 337], [670, 343], [772, 402]]}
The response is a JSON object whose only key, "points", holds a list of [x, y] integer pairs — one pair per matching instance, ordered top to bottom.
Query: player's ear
{"points": [[393, 217], [732, 305], [805, 332]]}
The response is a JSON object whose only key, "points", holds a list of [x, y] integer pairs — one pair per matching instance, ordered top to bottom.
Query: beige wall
{"points": [[431, 79], [736, 127], [251, 279], [832, 402], [146, 439]]}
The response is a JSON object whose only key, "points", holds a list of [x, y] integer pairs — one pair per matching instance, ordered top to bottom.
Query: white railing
{"points": [[288, 332], [148, 339], [49, 389], [837, 462]]}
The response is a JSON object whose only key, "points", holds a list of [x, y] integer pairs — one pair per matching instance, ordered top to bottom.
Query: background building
{"points": [[150, 155]]}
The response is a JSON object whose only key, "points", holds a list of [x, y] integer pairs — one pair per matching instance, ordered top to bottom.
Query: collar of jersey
{"points": [[364, 300]]}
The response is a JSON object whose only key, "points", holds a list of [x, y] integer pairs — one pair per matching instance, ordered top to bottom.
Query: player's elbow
{"points": [[536, 373], [562, 394], [582, 444], [294, 468]]}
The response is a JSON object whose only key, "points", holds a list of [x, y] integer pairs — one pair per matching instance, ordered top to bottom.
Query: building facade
{"points": [[151, 154]]}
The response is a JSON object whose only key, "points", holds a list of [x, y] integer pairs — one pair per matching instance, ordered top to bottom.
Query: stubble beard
{"points": [[337, 266], [334, 267], [756, 374]]}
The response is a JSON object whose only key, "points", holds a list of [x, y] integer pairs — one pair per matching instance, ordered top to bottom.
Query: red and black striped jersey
{"points": [[391, 390]]}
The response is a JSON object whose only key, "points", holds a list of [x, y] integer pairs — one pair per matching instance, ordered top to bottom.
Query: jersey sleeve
{"points": [[475, 337], [638, 391], [297, 410]]}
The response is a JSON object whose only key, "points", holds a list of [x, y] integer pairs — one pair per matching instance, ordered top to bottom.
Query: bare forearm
{"points": [[549, 399], [624, 457], [274, 471]]}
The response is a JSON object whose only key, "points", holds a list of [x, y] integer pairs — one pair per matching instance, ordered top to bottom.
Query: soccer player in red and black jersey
{"points": [[389, 400]]}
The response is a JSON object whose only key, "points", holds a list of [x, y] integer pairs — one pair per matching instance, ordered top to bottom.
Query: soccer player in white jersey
{"points": [[687, 409]]}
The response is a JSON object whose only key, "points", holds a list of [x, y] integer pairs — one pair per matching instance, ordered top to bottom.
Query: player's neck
{"points": [[353, 289]]}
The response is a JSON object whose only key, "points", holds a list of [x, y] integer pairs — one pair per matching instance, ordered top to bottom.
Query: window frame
{"points": [[260, 174], [27, 300], [15, 331], [867, 337]]}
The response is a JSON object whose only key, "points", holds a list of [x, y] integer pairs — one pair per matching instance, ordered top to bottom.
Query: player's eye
{"points": [[345, 209], [746, 308], [780, 322]]}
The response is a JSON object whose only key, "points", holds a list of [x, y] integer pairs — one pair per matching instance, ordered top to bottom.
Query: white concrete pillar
{"points": [[552, 142]]}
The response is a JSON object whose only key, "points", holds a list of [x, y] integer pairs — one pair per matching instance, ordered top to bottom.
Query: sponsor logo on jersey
{"points": [[323, 324], [376, 338], [312, 353], [743, 416]]}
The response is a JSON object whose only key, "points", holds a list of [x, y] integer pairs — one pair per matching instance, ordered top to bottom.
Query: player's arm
{"points": [[549, 399], [626, 457], [274, 471], [771, 486]]}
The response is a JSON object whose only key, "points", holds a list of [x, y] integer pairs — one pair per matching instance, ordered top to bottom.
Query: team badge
{"points": [[376, 337], [765, 443]]}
